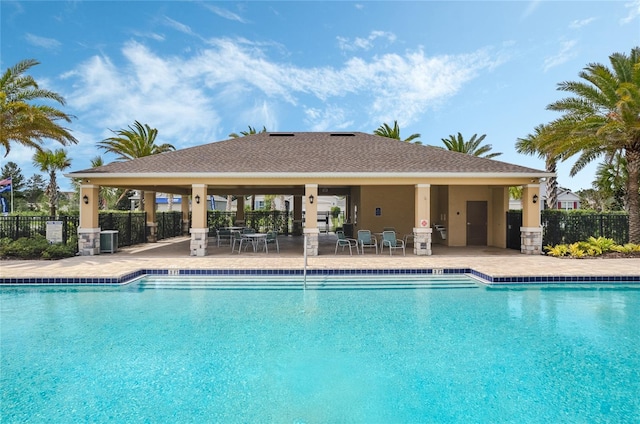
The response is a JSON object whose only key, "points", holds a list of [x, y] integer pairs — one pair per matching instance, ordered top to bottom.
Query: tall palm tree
{"points": [[604, 118], [23, 122], [252, 130], [385, 130], [135, 142], [534, 144], [470, 147], [51, 162]]}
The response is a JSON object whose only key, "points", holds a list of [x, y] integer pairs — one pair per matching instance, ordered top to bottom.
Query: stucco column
{"points": [[150, 209], [184, 209], [297, 215], [311, 218], [240, 221], [422, 227], [89, 228], [199, 229], [531, 230]]}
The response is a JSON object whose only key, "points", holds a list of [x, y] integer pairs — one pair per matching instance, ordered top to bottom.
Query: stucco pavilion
{"points": [[387, 183]]}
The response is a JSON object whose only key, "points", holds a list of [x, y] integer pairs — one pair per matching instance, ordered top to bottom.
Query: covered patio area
{"points": [[415, 189]]}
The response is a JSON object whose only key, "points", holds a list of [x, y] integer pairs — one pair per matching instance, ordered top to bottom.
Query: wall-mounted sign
{"points": [[424, 223]]}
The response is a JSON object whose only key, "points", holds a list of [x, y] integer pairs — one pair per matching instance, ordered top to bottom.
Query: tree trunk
{"points": [[552, 184], [633, 195]]}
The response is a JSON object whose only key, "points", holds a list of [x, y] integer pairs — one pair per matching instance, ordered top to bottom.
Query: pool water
{"points": [[174, 351]]}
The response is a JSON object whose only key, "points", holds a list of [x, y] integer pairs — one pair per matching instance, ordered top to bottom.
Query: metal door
{"points": [[476, 223]]}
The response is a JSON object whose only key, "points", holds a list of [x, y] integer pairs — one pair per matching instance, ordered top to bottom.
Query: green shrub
{"points": [[36, 247], [26, 248], [591, 248], [627, 248], [558, 250], [58, 251]]}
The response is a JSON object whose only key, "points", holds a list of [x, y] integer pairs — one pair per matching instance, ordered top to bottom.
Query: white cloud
{"points": [[634, 12], [224, 13], [577, 24], [178, 26], [152, 35], [44, 42], [367, 43], [566, 53], [233, 83], [149, 89], [331, 117]]}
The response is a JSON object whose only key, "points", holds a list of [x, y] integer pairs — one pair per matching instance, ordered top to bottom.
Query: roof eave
{"points": [[306, 175]]}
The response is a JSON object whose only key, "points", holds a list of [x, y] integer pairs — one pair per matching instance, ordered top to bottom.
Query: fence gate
{"points": [[514, 222]]}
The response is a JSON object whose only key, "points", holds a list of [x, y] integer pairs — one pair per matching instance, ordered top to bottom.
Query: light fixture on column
{"points": [[535, 198], [85, 199], [198, 199], [311, 199]]}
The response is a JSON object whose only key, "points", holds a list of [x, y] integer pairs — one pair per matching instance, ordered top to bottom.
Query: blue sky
{"points": [[198, 71]]}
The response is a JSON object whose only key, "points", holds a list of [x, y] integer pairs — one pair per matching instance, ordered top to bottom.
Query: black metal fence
{"points": [[169, 224], [131, 226], [15, 227], [561, 227]]}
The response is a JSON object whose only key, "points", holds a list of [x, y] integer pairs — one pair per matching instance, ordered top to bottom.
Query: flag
{"points": [[5, 185]]}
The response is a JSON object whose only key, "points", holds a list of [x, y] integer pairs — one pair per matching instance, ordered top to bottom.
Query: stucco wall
{"points": [[458, 197], [396, 205]]}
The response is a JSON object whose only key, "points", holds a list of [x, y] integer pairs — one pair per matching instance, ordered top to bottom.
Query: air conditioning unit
{"points": [[108, 241]]}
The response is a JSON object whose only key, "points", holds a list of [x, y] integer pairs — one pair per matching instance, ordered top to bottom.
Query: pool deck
{"points": [[173, 254]]}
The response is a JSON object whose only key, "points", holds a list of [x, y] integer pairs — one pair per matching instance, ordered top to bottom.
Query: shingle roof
{"points": [[310, 152]]}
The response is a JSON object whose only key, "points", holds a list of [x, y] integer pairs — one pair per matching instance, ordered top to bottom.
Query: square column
{"points": [[311, 206], [89, 230], [422, 230], [531, 240], [89, 241], [199, 241], [312, 241], [422, 241]]}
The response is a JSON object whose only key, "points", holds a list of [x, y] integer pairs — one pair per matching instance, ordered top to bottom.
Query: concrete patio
{"points": [[174, 254]]}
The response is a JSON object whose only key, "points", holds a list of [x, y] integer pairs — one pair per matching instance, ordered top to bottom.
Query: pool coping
{"points": [[175, 272]]}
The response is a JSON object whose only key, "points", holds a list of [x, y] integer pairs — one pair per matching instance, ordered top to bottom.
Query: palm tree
{"points": [[604, 118], [25, 123], [385, 130], [245, 133], [136, 142], [534, 144], [470, 147], [51, 162], [611, 181]]}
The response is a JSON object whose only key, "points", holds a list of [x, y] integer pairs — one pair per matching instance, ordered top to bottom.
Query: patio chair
{"points": [[223, 235], [272, 237], [236, 238], [365, 239], [389, 239], [343, 242]]}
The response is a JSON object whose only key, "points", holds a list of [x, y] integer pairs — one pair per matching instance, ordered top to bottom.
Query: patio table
{"points": [[255, 239]]}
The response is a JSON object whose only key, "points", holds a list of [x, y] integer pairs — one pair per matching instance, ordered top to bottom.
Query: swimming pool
{"points": [[165, 350]]}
